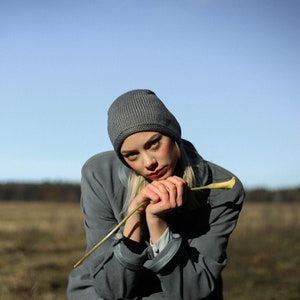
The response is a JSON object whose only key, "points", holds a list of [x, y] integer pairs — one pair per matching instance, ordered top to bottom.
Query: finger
{"points": [[176, 180], [180, 186], [161, 190], [149, 193], [168, 193], [172, 193]]}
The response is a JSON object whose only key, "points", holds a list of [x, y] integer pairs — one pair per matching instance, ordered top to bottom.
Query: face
{"points": [[150, 154]]}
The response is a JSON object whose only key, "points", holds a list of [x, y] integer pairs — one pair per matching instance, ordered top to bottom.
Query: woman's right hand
{"points": [[148, 194], [170, 194], [160, 196], [133, 226]]}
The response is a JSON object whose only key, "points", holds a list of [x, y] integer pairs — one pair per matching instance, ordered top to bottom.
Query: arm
{"points": [[159, 198], [195, 260], [112, 271]]}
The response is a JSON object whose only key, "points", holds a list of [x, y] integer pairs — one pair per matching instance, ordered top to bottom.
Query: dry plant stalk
{"points": [[226, 185]]}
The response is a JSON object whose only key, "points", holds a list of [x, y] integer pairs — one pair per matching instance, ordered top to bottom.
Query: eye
{"points": [[155, 143], [130, 156]]}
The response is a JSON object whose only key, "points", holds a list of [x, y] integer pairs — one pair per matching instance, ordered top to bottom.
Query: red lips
{"points": [[158, 174]]}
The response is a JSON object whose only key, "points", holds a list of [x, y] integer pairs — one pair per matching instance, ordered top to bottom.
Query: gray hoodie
{"points": [[188, 268]]}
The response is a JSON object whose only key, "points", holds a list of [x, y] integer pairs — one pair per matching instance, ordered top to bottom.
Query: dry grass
{"points": [[40, 242], [264, 253]]}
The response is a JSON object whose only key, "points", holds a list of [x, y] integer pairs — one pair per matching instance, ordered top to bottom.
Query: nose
{"points": [[150, 162]]}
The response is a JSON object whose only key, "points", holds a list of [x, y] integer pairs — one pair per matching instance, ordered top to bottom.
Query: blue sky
{"points": [[229, 70]]}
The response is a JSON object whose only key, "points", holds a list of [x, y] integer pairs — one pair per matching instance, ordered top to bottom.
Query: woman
{"points": [[174, 246]]}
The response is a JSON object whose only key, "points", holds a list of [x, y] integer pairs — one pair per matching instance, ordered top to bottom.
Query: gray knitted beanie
{"points": [[136, 111]]}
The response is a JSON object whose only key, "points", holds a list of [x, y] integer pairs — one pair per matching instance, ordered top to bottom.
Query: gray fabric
{"points": [[136, 111], [188, 268]]}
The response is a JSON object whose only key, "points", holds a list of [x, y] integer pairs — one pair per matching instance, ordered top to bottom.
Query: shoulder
{"points": [[103, 160], [105, 165], [207, 172], [219, 174]]}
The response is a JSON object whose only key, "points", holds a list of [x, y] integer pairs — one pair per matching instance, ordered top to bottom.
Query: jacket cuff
{"points": [[165, 256], [128, 259]]}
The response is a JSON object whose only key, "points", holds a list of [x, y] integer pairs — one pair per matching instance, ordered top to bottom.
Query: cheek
{"points": [[164, 152], [169, 152], [135, 166]]}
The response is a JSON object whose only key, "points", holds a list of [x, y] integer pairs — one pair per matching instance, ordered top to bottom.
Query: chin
{"points": [[167, 175]]}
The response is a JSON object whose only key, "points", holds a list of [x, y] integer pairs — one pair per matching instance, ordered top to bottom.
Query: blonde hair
{"points": [[137, 182]]}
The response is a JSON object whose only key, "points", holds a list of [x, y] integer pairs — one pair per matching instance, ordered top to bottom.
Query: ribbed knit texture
{"points": [[136, 111]]}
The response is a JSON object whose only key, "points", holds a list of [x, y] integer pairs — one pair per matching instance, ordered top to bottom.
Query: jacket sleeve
{"points": [[195, 264], [111, 272]]}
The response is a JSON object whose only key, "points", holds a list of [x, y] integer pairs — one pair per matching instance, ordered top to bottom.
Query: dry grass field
{"points": [[40, 242]]}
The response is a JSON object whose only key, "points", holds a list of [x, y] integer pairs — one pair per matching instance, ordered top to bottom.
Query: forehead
{"points": [[138, 138]]}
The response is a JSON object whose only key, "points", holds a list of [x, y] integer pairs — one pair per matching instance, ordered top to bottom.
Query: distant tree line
{"points": [[47, 191], [70, 192], [292, 194]]}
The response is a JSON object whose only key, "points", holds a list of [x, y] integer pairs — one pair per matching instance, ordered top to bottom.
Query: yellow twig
{"points": [[218, 185], [225, 185], [109, 234]]}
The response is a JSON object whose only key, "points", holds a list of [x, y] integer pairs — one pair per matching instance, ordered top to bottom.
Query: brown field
{"points": [[40, 242]]}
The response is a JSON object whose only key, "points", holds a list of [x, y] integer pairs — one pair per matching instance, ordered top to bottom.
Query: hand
{"points": [[169, 194], [161, 196]]}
